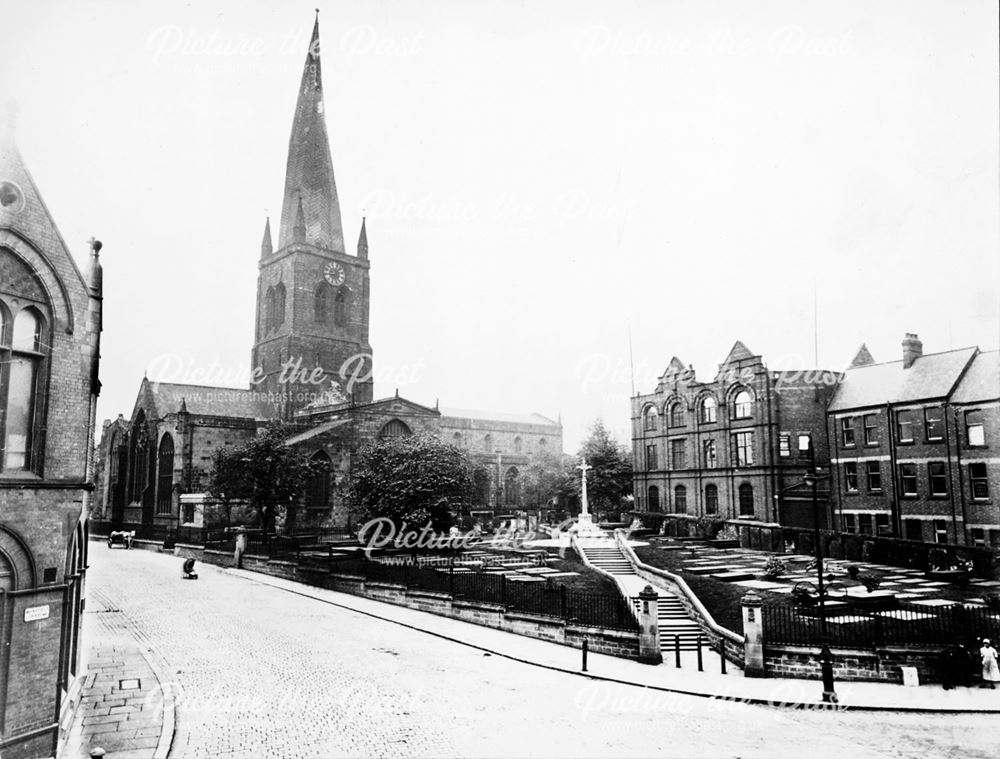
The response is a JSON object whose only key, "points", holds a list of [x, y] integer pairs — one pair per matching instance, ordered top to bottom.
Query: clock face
{"points": [[334, 274]]}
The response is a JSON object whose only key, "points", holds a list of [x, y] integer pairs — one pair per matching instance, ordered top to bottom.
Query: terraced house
{"points": [[916, 445], [736, 446]]}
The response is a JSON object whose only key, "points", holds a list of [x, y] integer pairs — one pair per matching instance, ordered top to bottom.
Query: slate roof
{"points": [[930, 376], [982, 381], [204, 400], [495, 416]]}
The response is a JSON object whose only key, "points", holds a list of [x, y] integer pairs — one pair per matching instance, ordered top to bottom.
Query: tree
{"points": [[263, 472], [548, 476], [416, 480], [610, 480]]}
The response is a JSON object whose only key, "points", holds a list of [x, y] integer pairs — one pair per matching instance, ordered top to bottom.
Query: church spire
{"points": [[309, 171], [363, 241], [265, 245]]}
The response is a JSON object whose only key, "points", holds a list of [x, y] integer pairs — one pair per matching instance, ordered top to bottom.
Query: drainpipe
{"points": [[958, 464], [835, 472], [951, 488], [768, 497], [894, 501]]}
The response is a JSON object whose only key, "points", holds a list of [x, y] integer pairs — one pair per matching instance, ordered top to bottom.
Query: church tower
{"points": [[312, 297]]}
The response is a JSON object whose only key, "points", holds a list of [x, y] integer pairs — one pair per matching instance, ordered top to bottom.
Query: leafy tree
{"points": [[263, 472], [548, 476], [417, 480], [610, 480]]}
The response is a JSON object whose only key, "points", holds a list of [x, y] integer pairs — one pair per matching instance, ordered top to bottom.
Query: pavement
{"points": [[241, 664], [687, 680], [121, 711]]}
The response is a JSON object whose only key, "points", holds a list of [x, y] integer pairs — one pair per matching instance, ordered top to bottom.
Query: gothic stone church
{"points": [[312, 366]]}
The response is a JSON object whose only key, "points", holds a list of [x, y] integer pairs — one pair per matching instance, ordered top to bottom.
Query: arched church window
{"points": [[321, 303], [279, 305], [340, 307], [269, 310], [23, 352], [394, 428], [456, 439], [488, 443], [517, 445], [138, 458], [165, 475], [318, 487], [512, 487], [653, 495], [746, 500]]}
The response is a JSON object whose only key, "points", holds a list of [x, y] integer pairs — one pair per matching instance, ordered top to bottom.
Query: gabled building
{"points": [[50, 325], [312, 368], [914, 445], [735, 446]]}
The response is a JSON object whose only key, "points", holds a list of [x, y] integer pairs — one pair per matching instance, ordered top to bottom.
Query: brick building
{"points": [[50, 322], [312, 365], [914, 445], [736, 446]]}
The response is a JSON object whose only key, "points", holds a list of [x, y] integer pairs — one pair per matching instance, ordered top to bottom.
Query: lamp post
{"points": [[812, 478]]}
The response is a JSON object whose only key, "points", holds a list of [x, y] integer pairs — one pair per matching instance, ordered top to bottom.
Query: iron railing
{"points": [[544, 598], [907, 625]]}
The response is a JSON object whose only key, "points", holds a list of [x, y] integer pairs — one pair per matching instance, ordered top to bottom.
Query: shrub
{"points": [[774, 567], [852, 571], [804, 594]]}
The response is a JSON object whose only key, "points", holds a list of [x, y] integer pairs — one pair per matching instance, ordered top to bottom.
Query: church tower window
{"points": [[321, 303], [279, 305], [340, 308], [269, 310]]}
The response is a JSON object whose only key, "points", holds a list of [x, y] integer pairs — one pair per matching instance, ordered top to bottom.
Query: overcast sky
{"points": [[539, 178]]}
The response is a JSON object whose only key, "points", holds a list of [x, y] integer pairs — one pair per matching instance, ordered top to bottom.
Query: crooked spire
{"points": [[309, 171]]}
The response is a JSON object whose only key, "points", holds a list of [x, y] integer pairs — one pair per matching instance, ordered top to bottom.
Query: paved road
{"points": [[258, 671]]}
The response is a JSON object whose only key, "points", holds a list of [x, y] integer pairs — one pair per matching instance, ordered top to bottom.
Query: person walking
{"points": [[991, 673]]}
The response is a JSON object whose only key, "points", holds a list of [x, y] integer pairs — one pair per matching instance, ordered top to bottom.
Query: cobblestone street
{"points": [[258, 671]]}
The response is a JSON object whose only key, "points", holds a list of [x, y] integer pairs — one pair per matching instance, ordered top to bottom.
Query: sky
{"points": [[544, 182]]}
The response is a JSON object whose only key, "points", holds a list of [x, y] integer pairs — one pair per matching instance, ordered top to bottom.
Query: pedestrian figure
{"points": [[952, 662], [991, 673]]}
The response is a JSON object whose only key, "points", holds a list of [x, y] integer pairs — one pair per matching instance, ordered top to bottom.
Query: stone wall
{"points": [[883, 665]]}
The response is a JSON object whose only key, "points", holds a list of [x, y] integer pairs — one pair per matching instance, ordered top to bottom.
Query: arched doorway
{"points": [[653, 496]]}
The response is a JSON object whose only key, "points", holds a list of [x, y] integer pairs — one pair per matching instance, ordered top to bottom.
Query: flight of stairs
{"points": [[608, 556], [671, 615]]}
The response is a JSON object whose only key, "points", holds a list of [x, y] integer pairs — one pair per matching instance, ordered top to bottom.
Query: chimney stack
{"points": [[912, 349]]}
